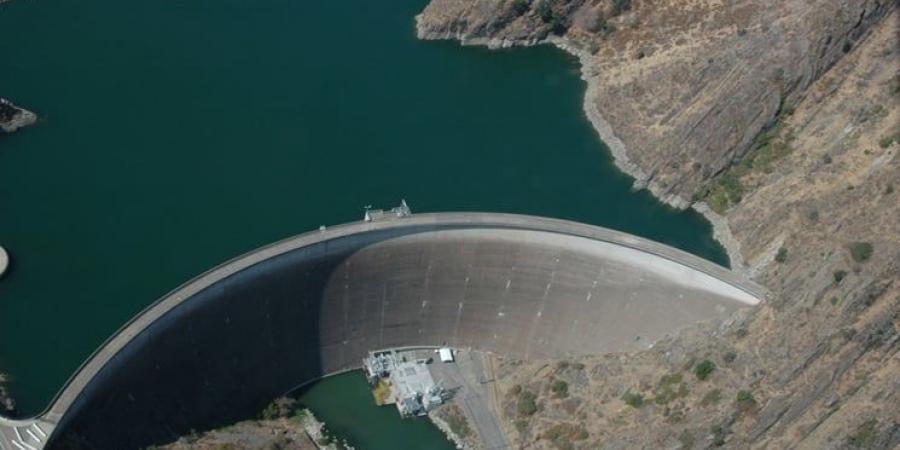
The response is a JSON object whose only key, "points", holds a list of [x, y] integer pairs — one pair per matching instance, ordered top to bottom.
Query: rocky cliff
{"points": [[683, 86], [12, 117], [784, 118]]}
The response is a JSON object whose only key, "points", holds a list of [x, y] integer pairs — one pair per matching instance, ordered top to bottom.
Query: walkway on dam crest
{"points": [[516, 235]]}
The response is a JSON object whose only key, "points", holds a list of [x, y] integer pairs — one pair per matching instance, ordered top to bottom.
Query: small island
{"points": [[13, 117]]}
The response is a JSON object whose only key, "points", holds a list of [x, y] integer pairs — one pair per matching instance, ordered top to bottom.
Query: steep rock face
{"points": [[684, 84], [12, 117], [814, 367]]}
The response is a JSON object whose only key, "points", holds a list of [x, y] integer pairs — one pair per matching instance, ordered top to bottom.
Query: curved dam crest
{"points": [[224, 344]]}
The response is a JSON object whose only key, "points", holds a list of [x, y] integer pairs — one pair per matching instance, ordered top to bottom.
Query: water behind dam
{"points": [[175, 135]]}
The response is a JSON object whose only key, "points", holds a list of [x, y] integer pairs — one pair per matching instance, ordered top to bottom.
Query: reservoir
{"points": [[176, 135]]}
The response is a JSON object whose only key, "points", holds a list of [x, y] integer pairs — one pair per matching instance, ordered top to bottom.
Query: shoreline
{"points": [[720, 228], [721, 231], [445, 428]]}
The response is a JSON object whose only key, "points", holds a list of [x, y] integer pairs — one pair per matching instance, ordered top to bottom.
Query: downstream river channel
{"points": [[175, 135]]}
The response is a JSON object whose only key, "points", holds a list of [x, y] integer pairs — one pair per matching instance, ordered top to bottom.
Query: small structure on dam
{"points": [[223, 345], [408, 382]]}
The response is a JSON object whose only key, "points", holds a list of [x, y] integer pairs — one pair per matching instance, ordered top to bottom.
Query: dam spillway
{"points": [[220, 347]]}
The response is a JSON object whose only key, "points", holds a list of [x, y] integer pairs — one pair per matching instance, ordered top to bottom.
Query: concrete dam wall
{"points": [[222, 346]]}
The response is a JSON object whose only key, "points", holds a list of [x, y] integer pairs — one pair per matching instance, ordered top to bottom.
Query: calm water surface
{"points": [[177, 134], [344, 402]]}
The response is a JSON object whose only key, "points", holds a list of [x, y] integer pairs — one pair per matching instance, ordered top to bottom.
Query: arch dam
{"points": [[223, 345]]}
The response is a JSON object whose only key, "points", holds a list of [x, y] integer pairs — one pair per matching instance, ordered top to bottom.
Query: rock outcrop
{"points": [[13, 117], [784, 118]]}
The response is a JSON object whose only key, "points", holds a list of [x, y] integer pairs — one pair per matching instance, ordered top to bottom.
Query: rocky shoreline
{"points": [[13, 117], [721, 231], [7, 404]]}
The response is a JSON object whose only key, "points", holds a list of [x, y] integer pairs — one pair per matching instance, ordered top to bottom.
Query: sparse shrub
{"points": [[520, 6], [619, 6], [545, 11], [557, 26], [886, 140], [826, 159], [733, 188], [889, 189], [718, 202], [813, 215], [860, 251], [781, 256], [839, 276], [848, 333], [729, 357], [704, 369], [670, 387], [560, 389], [515, 390], [711, 398], [634, 400], [745, 401], [527, 404], [280, 407], [458, 425], [564, 434], [718, 435], [864, 437], [686, 439]]}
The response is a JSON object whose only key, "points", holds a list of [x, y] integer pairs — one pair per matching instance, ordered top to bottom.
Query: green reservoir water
{"points": [[175, 135], [344, 402]]}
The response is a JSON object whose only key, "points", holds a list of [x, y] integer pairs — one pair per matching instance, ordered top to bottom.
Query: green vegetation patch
{"points": [[520, 6], [889, 139], [769, 146], [860, 251], [782, 255], [839, 276], [704, 369], [670, 387], [560, 389], [381, 392], [633, 400], [745, 401], [527, 404], [564, 435], [718, 435], [864, 437]]}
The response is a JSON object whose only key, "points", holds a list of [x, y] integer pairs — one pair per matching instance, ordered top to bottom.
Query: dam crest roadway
{"points": [[221, 346]]}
